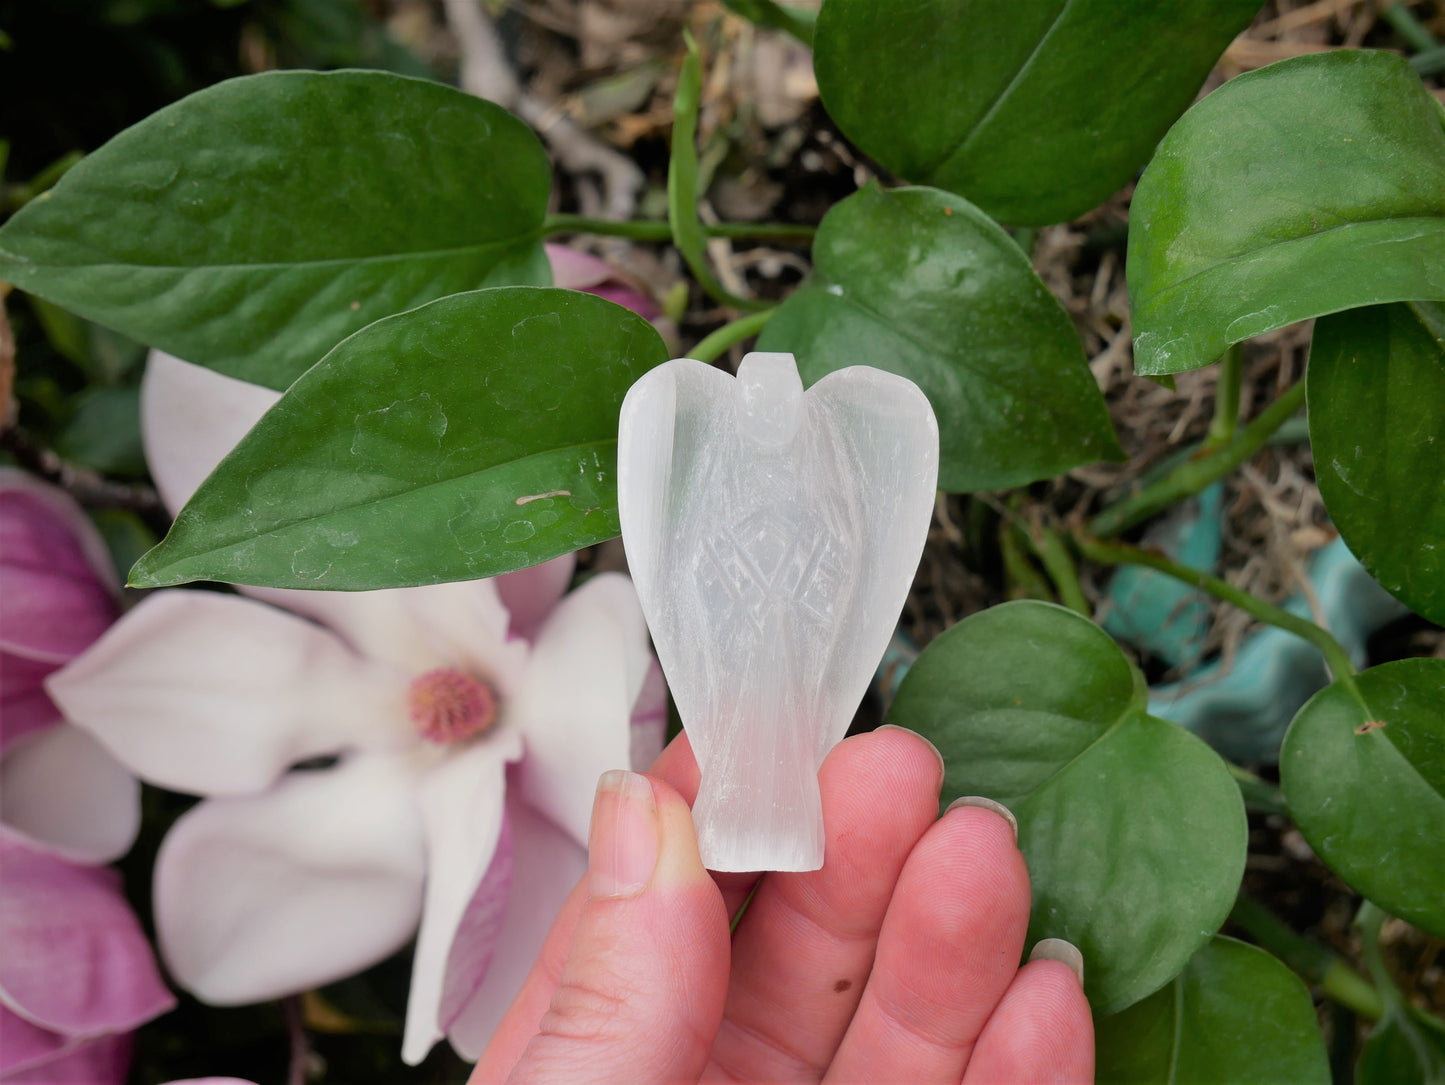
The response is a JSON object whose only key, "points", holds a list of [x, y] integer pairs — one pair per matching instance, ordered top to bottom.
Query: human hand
{"points": [[896, 962]]}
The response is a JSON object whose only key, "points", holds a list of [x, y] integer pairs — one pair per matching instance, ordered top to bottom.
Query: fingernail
{"points": [[915, 734], [989, 804], [623, 844], [1056, 949]]}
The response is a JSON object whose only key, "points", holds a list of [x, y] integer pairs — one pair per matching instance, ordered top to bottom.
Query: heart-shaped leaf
{"points": [[1037, 111], [1313, 185], [255, 224], [922, 283], [1376, 383], [467, 438], [773, 535], [1365, 781], [1133, 828], [1235, 1014]]}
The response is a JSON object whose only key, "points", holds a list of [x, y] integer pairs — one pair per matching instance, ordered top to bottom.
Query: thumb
{"points": [[641, 995]]}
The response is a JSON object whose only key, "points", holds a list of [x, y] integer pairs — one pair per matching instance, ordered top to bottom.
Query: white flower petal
{"points": [[190, 418], [530, 594], [460, 624], [216, 694], [574, 708], [63, 791], [461, 803], [546, 866], [264, 896]]}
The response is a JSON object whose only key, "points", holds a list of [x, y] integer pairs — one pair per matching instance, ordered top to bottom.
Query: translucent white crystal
{"points": [[773, 535]]}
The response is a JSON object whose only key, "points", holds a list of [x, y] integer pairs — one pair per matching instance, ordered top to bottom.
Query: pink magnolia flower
{"points": [[575, 270], [463, 728], [59, 789], [76, 971]]}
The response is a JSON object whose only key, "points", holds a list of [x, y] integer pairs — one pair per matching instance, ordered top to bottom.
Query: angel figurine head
{"points": [[773, 534]]}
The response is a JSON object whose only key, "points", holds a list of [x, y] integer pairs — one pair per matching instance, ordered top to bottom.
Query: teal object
{"points": [[1157, 614], [1243, 711]]}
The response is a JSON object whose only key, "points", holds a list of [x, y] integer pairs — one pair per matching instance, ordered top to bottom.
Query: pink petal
{"points": [[573, 270], [190, 418], [55, 576], [530, 594], [217, 694], [24, 705], [575, 705], [62, 790], [461, 808], [547, 864], [318, 878], [73, 959], [23, 1045], [100, 1062], [211, 1081]]}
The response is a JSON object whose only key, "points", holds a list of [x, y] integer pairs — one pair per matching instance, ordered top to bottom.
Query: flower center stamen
{"points": [[448, 705]]}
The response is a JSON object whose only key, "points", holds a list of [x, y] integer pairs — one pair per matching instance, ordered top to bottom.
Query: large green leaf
{"points": [[1036, 111], [1304, 188], [255, 224], [922, 283], [1376, 386], [467, 438], [1366, 785], [1133, 829], [1235, 1014]]}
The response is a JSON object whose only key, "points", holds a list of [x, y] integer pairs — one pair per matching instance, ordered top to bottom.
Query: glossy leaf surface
{"points": [[1035, 111], [1311, 186], [255, 224], [923, 284], [1376, 385], [467, 438], [1366, 785], [1133, 829], [1234, 1014]]}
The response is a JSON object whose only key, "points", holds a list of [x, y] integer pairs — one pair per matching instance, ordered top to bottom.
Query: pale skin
{"points": [[898, 961]]}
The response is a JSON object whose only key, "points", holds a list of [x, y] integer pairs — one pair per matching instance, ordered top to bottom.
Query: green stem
{"points": [[1417, 36], [682, 184], [661, 229], [734, 331], [1226, 400], [1189, 478], [1115, 553], [1058, 563], [1024, 581], [1259, 795], [1370, 919], [1335, 978]]}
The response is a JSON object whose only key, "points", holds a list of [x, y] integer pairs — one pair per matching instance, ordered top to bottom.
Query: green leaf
{"points": [[1037, 111], [1304, 188], [252, 226], [922, 283], [1376, 382], [104, 432], [467, 438], [1371, 799], [1133, 830], [1235, 1014], [1408, 1046]]}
